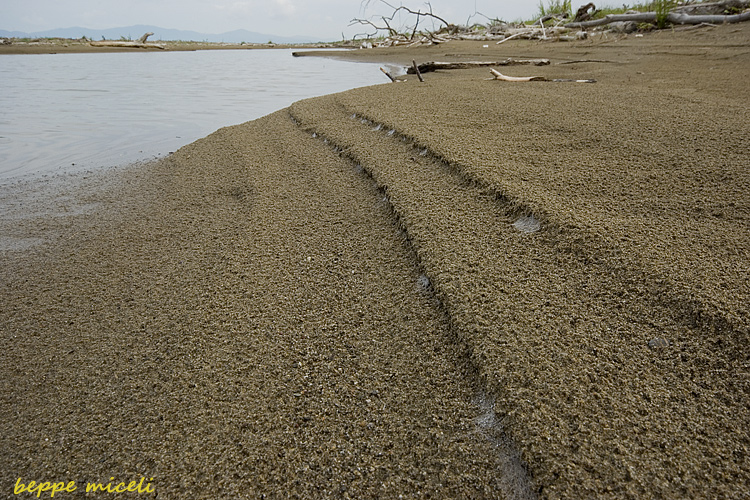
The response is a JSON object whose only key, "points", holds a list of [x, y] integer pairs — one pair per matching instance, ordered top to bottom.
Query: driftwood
{"points": [[713, 7], [585, 12], [641, 17], [672, 17], [678, 18], [387, 20], [695, 27], [560, 29], [541, 33], [511, 37], [141, 43], [579, 61], [434, 66], [416, 70], [388, 75], [499, 76], [505, 78]]}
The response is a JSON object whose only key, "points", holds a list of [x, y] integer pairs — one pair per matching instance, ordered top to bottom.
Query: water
{"points": [[67, 112]]}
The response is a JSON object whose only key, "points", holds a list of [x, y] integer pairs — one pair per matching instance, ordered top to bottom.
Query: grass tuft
{"points": [[555, 7]]}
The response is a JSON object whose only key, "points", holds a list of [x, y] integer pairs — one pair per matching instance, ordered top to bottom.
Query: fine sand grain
{"points": [[457, 288]]}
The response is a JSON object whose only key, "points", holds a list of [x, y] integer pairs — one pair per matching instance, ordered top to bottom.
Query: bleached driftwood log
{"points": [[716, 8], [691, 14], [672, 17], [678, 18], [141, 43], [427, 67], [499, 76], [505, 78]]}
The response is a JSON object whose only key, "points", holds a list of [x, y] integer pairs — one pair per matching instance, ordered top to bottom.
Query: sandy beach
{"points": [[461, 288]]}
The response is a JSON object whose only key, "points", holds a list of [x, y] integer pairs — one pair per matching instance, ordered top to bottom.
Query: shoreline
{"points": [[69, 46], [191, 107], [335, 299]]}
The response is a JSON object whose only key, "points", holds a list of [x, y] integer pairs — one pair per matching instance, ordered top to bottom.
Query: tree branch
{"points": [[396, 10]]}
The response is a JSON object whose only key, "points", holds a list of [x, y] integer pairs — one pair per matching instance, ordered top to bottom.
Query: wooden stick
{"points": [[511, 37], [578, 61], [427, 67], [416, 70], [387, 74], [500, 76], [505, 78], [590, 80]]}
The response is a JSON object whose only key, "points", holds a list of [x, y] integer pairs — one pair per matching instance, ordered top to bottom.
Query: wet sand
{"points": [[457, 288]]}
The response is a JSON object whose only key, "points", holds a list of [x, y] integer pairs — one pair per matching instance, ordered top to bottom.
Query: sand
{"points": [[457, 288]]}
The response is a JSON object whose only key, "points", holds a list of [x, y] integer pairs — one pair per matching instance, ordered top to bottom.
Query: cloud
{"points": [[286, 6], [240, 7], [256, 8], [324, 19]]}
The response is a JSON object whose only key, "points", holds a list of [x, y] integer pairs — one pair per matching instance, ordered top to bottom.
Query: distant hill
{"points": [[135, 32]]}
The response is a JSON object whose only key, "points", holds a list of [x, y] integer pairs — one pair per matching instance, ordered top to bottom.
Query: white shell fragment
{"points": [[527, 224]]}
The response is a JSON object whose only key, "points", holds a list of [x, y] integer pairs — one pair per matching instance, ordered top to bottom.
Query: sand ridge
{"points": [[554, 333]]}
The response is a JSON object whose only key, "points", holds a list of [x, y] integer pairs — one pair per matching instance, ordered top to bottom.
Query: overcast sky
{"points": [[322, 19]]}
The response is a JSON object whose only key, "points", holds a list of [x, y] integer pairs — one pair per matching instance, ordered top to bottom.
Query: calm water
{"points": [[67, 112]]}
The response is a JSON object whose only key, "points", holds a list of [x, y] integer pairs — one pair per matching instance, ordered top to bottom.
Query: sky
{"points": [[321, 19]]}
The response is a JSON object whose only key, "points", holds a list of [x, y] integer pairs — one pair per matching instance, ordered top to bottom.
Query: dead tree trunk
{"points": [[585, 13], [672, 17], [678, 18], [141, 43], [428, 67]]}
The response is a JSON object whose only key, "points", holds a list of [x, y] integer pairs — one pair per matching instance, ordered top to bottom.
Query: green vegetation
{"points": [[654, 6], [564, 7], [555, 8], [662, 8], [607, 10]]}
